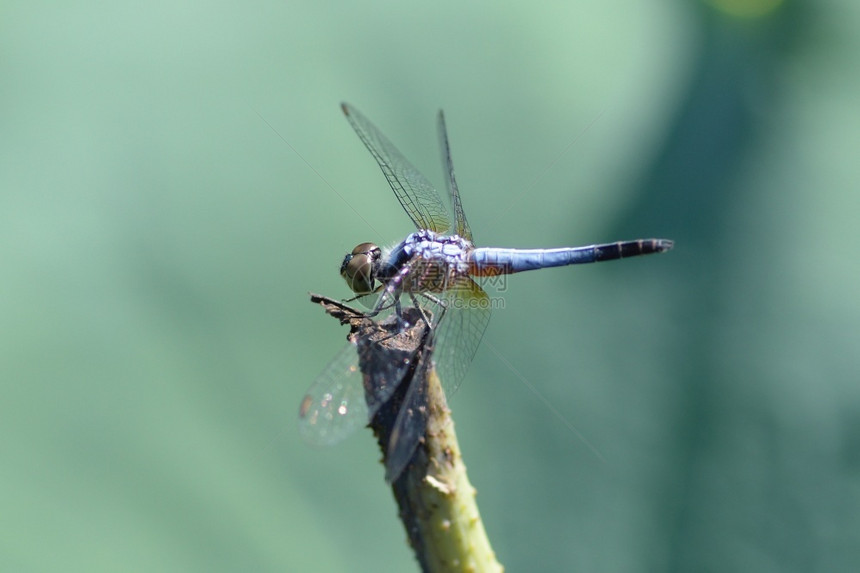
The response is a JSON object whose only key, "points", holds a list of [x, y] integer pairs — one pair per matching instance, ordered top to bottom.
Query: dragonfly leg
{"points": [[393, 288], [441, 303], [383, 304], [379, 308], [424, 316]]}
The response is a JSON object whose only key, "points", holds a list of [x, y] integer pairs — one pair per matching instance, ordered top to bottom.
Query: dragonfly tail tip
{"points": [[665, 245]]}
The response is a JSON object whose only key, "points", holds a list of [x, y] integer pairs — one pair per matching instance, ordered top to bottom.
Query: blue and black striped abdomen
{"points": [[491, 261]]}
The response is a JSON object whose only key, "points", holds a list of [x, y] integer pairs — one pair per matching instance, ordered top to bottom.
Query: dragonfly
{"points": [[433, 270]]}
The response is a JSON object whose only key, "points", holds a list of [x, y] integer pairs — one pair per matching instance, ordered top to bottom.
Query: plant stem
{"points": [[435, 498]]}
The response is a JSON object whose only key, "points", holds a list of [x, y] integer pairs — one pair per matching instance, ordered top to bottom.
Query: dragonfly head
{"points": [[359, 268]]}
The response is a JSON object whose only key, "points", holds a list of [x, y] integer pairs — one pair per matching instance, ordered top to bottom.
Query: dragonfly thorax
{"points": [[425, 262]]}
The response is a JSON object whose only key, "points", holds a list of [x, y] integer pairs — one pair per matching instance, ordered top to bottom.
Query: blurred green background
{"points": [[175, 177]]}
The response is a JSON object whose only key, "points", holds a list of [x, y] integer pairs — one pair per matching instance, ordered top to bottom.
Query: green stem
{"points": [[437, 501]]}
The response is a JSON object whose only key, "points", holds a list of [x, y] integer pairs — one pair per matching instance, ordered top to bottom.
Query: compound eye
{"points": [[366, 248], [357, 268], [356, 272]]}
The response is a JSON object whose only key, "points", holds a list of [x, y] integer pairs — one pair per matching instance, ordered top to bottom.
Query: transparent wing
{"points": [[415, 193], [462, 225], [463, 313], [336, 404]]}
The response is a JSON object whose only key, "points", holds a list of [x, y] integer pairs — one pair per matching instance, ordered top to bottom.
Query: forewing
{"points": [[415, 193], [462, 225], [338, 402], [334, 406]]}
